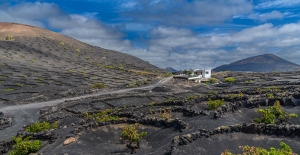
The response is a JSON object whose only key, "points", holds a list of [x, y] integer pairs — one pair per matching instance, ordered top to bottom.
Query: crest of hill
{"points": [[23, 31], [35, 60], [260, 63], [170, 69]]}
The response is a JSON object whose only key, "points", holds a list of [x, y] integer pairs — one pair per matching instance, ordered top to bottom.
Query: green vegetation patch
{"points": [[9, 37], [77, 50], [34, 60], [110, 67], [167, 74], [230, 79], [40, 80], [213, 80], [20, 84], [98, 86], [8, 89], [271, 96], [191, 97], [214, 104], [273, 113], [104, 115], [41, 126], [131, 135], [25, 146], [252, 150]]}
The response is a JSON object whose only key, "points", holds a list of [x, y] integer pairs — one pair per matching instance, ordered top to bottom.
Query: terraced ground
{"points": [[37, 65], [176, 117]]}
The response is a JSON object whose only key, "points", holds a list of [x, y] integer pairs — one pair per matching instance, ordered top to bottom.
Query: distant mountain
{"points": [[260, 63], [170, 69]]}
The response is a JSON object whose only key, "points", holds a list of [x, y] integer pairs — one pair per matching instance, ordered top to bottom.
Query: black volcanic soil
{"points": [[190, 120]]}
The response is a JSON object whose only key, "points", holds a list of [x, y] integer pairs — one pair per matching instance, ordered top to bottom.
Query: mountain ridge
{"points": [[260, 63]]}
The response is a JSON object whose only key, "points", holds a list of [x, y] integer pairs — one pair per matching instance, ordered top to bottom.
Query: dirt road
{"points": [[28, 113]]}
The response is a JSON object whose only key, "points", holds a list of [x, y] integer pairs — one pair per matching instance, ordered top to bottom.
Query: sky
{"points": [[183, 34]]}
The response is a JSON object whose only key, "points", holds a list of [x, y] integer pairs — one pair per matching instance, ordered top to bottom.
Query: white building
{"points": [[206, 73]]}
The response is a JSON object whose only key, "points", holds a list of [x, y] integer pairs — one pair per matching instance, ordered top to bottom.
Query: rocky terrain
{"points": [[260, 63], [89, 94], [176, 117]]}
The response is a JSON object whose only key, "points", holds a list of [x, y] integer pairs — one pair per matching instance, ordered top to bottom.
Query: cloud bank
{"points": [[170, 30]]}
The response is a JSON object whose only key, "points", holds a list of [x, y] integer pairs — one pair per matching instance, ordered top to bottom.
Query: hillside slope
{"points": [[260, 63], [37, 64]]}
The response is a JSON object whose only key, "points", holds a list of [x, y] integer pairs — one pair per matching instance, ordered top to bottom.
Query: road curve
{"points": [[59, 101], [28, 113]]}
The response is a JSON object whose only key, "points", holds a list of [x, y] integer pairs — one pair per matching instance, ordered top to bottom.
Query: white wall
{"points": [[206, 73]]}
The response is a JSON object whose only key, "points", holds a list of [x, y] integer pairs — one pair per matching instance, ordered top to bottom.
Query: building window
{"points": [[207, 72]]}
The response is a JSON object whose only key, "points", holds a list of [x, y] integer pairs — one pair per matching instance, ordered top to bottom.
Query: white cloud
{"points": [[278, 4], [182, 12], [29, 13], [266, 16], [5, 17], [90, 31]]}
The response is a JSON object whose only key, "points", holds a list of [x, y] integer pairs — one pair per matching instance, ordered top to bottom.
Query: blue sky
{"points": [[182, 34]]}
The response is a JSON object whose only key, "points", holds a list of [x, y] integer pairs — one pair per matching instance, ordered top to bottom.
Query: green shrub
{"points": [[9, 37], [77, 50], [34, 60], [110, 67], [167, 74], [230, 79], [213, 80], [133, 84], [98, 86], [8, 89], [240, 95], [231, 96], [271, 96], [191, 97], [214, 104], [166, 113], [270, 114], [104, 115], [41, 126], [131, 135], [25, 146], [252, 150]]}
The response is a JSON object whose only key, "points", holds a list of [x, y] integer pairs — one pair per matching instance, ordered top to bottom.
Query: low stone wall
{"points": [[5, 122], [252, 128]]}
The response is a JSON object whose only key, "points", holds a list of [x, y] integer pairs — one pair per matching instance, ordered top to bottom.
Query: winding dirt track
{"points": [[28, 113]]}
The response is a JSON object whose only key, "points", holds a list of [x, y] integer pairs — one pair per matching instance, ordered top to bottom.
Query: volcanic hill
{"points": [[260, 63], [40, 64], [170, 69]]}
